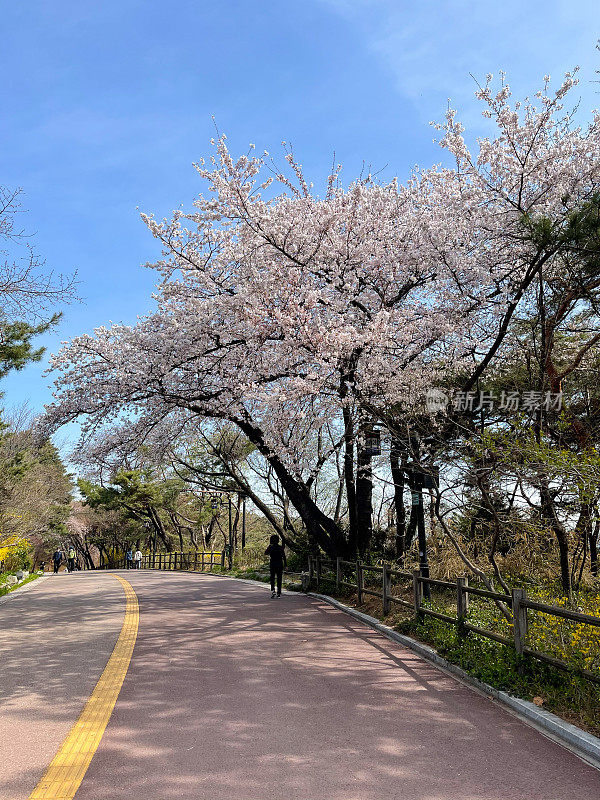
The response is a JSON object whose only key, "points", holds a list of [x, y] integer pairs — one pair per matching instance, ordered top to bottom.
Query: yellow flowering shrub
{"points": [[14, 553], [575, 642]]}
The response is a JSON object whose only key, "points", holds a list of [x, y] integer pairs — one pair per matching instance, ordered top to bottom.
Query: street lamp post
{"points": [[215, 504], [243, 521]]}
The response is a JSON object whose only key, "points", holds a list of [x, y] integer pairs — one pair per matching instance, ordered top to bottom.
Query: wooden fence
{"points": [[192, 560], [517, 603]]}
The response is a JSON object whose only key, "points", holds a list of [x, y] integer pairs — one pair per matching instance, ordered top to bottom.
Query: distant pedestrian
{"points": [[56, 559], [129, 559], [138, 559], [71, 560], [277, 561]]}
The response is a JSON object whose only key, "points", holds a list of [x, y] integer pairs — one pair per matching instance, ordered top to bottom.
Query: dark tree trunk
{"points": [[398, 479], [349, 482], [364, 500], [549, 513], [414, 515], [159, 528], [178, 529], [209, 532], [326, 534], [193, 538], [594, 548], [87, 557], [104, 557]]}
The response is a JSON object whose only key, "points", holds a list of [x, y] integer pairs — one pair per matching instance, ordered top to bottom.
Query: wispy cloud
{"points": [[435, 48]]}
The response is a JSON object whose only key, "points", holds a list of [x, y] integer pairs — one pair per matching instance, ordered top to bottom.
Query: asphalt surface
{"points": [[55, 640], [233, 695]]}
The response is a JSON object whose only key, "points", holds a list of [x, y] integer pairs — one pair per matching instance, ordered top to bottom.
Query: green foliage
{"points": [[16, 346], [132, 489], [35, 490], [6, 589]]}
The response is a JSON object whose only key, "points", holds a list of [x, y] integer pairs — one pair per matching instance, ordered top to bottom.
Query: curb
{"points": [[579, 742]]}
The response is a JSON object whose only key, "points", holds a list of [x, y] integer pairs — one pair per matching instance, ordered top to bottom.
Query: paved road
{"points": [[232, 695]]}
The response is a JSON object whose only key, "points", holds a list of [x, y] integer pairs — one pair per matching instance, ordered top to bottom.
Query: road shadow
{"points": [[233, 695]]}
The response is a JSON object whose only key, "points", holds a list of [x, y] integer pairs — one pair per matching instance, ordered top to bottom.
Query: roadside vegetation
{"points": [[35, 488], [6, 588]]}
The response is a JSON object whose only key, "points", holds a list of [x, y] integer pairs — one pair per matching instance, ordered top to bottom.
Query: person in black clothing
{"points": [[56, 559], [278, 561]]}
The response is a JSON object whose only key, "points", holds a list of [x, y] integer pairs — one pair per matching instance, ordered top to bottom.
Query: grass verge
{"points": [[8, 589]]}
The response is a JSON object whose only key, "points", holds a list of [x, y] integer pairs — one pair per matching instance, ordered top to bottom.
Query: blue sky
{"points": [[106, 105]]}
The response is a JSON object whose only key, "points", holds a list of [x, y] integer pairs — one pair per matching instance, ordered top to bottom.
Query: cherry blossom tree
{"points": [[279, 310], [275, 315]]}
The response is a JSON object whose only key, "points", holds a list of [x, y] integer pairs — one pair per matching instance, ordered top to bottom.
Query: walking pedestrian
{"points": [[56, 559], [129, 559], [138, 559], [71, 560], [277, 561]]}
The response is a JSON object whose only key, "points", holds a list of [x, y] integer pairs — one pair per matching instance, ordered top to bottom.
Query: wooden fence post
{"points": [[195, 560], [318, 570], [311, 571], [338, 574], [359, 586], [384, 589], [417, 592], [462, 603], [519, 619]]}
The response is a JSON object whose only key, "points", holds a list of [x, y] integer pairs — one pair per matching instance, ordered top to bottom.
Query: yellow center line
{"points": [[68, 767]]}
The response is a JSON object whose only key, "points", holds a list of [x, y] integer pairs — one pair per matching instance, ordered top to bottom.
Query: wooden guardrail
{"points": [[193, 560], [339, 572]]}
